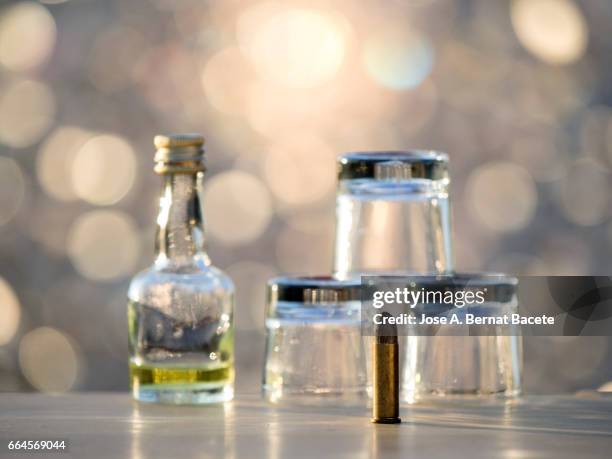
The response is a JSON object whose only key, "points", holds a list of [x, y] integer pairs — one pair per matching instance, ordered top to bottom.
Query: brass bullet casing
{"points": [[179, 153], [385, 367]]}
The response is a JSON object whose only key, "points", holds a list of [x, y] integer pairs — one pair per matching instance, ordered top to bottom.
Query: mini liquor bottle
{"points": [[180, 310]]}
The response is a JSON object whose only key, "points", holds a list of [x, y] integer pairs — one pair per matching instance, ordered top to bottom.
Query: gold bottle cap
{"points": [[179, 153]]}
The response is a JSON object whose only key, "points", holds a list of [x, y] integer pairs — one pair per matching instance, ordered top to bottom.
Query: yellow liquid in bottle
{"points": [[152, 375]]}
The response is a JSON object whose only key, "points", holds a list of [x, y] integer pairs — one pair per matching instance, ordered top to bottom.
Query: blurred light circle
{"points": [[250, 21], [554, 31], [27, 36], [295, 47], [113, 56], [398, 59], [224, 81], [172, 87], [423, 103], [287, 109], [26, 112], [541, 156], [55, 159], [103, 170], [300, 171], [12, 189], [584, 193], [502, 196], [238, 207], [316, 222], [47, 225], [104, 245], [304, 253], [250, 278], [11, 313], [49, 360], [606, 387]]}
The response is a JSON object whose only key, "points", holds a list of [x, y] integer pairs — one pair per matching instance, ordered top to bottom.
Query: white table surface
{"points": [[109, 425]]}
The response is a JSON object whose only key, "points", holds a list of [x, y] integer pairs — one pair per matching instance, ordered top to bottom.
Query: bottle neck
{"points": [[180, 228]]}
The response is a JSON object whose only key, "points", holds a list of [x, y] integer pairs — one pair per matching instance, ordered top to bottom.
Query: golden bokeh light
{"points": [[250, 20], [554, 31], [27, 36], [294, 47], [398, 58], [224, 80], [271, 108], [27, 109], [55, 160], [103, 170], [301, 170], [12, 189], [502, 196], [238, 207], [318, 221], [104, 245], [298, 252], [11, 313], [49, 360], [606, 387]]}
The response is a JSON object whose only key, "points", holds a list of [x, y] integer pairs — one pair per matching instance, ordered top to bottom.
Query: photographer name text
{"points": [[462, 319]]}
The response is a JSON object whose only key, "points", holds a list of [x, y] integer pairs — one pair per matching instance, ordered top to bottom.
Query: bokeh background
{"points": [[517, 92]]}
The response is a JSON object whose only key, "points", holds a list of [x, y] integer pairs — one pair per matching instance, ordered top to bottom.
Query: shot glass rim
{"points": [[300, 289]]}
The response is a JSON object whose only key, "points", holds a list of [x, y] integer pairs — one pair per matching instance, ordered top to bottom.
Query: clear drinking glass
{"points": [[392, 214], [314, 348], [482, 361]]}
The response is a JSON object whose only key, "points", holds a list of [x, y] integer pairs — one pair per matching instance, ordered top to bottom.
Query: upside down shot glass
{"points": [[392, 214], [393, 217], [314, 351], [463, 361]]}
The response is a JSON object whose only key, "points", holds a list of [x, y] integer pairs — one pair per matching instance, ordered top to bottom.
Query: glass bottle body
{"points": [[180, 310]]}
